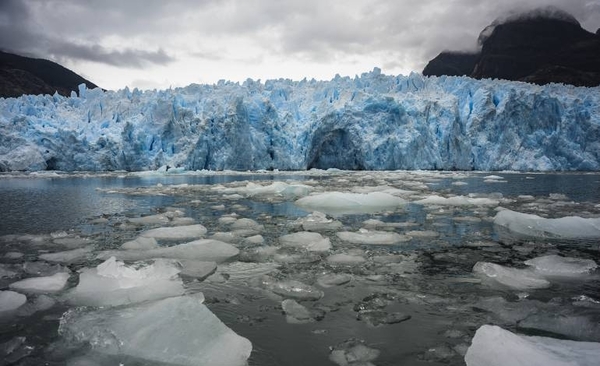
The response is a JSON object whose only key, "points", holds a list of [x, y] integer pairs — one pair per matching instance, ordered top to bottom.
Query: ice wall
{"points": [[369, 122]]}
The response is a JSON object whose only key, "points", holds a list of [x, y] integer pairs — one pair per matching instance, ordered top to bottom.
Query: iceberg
{"points": [[372, 121], [350, 203], [570, 227], [113, 283], [175, 331], [494, 346]]}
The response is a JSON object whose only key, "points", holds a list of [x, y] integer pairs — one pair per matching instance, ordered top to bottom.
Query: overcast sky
{"points": [[159, 43]]}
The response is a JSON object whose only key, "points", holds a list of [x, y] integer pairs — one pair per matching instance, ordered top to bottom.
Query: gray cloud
{"points": [[21, 32], [402, 32]]}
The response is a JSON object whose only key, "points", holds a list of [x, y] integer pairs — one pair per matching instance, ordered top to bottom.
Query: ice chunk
{"points": [[281, 189], [457, 201], [350, 203], [158, 219], [318, 221], [246, 227], [570, 227], [175, 233], [423, 234], [364, 236], [255, 239], [313, 242], [140, 243], [207, 250], [69, 256], [345, 259], [554, 265], [40, 268], [197, 269], [6, 271], [333, 279], [518, 279], [114, 283], [47, 284], [295, 290], [10, 300], [39, 303], [296, 313], [379, 317], [564, 323], [175, 331], [494, 346], [353, 352]]}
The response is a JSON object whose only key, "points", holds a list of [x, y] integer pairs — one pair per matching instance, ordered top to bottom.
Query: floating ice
{"points": [[281, 189], [457, 201], [350, 203], [159, 219], [318, 221], [570, 227], [175, 233], [372, 237], [313, 242], [140, 243], [203, 250], [69, 256], [345, 259], [554, 265], [197, 269], [6, 271], [333, 279], [518, 279], [114, 283], [48, 284], [294, 290], [10, 300], [35, 304], [296, 313], [565, 323], [176, 331], [494, 346], [353, 352]]}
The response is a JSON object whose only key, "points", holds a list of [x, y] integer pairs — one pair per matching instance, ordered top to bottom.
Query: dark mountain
{"points": [[540, 47], [24, 75]]}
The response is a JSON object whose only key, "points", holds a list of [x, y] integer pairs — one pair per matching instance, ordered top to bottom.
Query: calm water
{"points": [[439, 292]]}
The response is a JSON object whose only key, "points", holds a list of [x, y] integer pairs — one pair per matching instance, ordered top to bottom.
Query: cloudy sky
{"points": [[159, 43]]}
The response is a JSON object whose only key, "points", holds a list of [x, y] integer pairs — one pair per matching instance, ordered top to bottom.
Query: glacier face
{"points": [[374, 121]]}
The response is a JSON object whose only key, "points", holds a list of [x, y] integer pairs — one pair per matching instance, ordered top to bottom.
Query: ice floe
{"points": [[458, 201], [350, 203], [318, 221], [569, 227], [175, 233], [369, 237], [313, 242], [140, 243], [202, 250], [69, 256], [557, 266], [518, 279], [114, 283], [46, 284], [10, 300], [296, 313], [175, 331], [494, 346]]}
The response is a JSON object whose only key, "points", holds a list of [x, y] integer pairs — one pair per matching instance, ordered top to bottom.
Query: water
{"points": [[428, 278]]}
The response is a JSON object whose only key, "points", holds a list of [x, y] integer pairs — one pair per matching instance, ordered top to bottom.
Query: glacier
{"points": [[373, 122]]}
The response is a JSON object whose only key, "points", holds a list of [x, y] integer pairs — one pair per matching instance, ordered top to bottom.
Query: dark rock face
{"points": [[540, 49], [452, 64], [24, 75]]}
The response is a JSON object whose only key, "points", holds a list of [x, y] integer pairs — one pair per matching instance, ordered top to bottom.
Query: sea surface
{"points": [[428, 278]]}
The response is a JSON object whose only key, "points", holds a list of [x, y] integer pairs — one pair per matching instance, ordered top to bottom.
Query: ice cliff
{"points": [[369, 122]]}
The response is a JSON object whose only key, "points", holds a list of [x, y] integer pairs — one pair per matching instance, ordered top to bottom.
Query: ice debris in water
{"points": [[281, 189], [457, 201], [350, 203], [159, 219], [318, 221], [570, 227], [175, 233], [364, 236], [313, 242], [140, 243], [202, 250], [69, 256], [345, 259], [557, 266], [197, 269], [333, 279], [518, 279], [114, 283], [47, 284], [293, 289], [10, 300], [296, 313], [175, 331], [494, 346], [353, 352]]}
